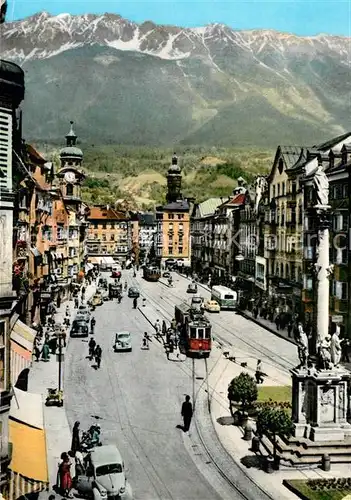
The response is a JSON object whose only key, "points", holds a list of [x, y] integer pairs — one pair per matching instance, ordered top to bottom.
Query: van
{"points": [[226, 298]]}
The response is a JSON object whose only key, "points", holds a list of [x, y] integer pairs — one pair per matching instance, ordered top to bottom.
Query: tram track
{"points": [[226, 472]]}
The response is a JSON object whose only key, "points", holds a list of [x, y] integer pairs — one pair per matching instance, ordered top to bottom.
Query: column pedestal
{"points": [[320, 404]]}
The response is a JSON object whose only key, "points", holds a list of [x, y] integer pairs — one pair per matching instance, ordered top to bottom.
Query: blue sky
{"points": [[303, 17]]}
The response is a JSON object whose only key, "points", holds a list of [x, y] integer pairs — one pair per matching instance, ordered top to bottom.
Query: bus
{"points": [[225, 297]]}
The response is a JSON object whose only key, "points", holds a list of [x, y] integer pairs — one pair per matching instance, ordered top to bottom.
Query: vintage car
{"points": [[103, 283], [192, 288], [133, 292], [97, 299], [197, 302], [211, 306], [83, 313], [79, 328], [123, 342], [103, 475]]}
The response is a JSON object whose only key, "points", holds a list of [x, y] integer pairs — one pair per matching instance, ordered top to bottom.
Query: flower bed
{"points": [[320, 489]]}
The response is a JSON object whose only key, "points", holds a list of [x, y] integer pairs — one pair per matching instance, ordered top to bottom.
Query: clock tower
{"points": [[70, 174]]}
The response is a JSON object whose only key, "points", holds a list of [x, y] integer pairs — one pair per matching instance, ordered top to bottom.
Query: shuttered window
{"points": [[5, 149]]}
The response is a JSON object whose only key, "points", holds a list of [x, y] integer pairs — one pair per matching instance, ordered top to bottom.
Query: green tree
{"points": [[242, 389], [274, 422]]}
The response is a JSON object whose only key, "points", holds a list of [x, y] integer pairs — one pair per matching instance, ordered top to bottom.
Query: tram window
{"points": [[228, 297], [193, 333], [200, 333], [208, 333]]}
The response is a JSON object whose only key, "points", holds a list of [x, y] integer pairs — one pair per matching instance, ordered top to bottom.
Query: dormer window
{"points": [[69, 189]]}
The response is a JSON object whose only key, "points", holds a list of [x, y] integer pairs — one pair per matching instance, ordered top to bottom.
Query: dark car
{"points": [[103, 283], [192, 288], [133, 292], [80, 328]]}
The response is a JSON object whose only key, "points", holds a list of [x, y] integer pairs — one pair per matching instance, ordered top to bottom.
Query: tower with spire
{"points": [[71, 155], [174, 181]]}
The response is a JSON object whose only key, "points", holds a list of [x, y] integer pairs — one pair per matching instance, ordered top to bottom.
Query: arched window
{"points": [[69, 189], [282, 270], [287, 271]]}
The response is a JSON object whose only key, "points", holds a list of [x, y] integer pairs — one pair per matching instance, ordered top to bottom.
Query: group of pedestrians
{"points": [[95, 352]]}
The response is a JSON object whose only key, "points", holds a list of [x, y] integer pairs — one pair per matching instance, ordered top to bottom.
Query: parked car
{"points": [[166, 274], [192, 288], [133, 292], [197, 302], [211, 306], [83, 313], [79, 328], [123, 342], [103, 476]]}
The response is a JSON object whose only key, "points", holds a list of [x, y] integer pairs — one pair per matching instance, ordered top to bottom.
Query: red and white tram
{"points": [[195, 331]]}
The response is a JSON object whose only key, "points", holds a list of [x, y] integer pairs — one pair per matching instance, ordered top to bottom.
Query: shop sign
{"points": [[337, 318]]}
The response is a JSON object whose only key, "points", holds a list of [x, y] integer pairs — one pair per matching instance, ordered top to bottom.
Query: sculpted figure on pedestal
{"points": [[321, 185], [302, 345], [335, 347], [324, 354]]}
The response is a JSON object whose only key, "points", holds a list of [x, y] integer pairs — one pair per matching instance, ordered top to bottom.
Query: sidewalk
{"points": [[221, 372], [41, 376]]}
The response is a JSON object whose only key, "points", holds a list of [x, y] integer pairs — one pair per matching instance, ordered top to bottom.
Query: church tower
{"points": [[70, 175], [174, 181]]}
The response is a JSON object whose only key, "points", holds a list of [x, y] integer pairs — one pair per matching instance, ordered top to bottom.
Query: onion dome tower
{"points": [[71, 156], [174, 181]]}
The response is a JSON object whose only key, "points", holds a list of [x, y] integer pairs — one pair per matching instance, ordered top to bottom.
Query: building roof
{"points": [[332, 142], [71, 151], [34, 155], [238, 199], [177, 206], [208, 207], [105, 213], [146, 219]]}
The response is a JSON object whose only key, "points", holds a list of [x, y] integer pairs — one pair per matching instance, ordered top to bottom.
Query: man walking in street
{"points": [[91, 345], [98, 355], [259, 372], [187, 413]]}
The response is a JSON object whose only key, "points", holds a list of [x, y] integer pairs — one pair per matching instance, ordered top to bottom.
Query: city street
{"points": [[137, 398]]}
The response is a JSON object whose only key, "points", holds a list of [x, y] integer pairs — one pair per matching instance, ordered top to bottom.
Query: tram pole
{"points": [[193, 363], [208, 389]]}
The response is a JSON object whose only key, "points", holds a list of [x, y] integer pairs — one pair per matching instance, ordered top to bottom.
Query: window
{"points": [[283, 188], [69, 189], [278, 189], [273, 191], [345, 191], [171, 216], [180, 216], [170, 226], [181, 228], [104, 237], [112, 237], [170, 250], [180, 250], [308, 252], [307, 282], [340, 290], [2, 333], [192, 333], [200, 333], [2, 368]]}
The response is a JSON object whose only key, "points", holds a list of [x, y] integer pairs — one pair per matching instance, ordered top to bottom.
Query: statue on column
{"points": [[321, 186], [302, 345], [335, 347], [325, 354]]}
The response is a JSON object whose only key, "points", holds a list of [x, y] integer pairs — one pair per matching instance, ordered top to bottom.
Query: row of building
{"points": [[263, 239]]}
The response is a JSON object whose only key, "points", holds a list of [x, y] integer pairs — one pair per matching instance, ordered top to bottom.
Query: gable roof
{"points": [[332, 142], [208, 207], [105, 213]]}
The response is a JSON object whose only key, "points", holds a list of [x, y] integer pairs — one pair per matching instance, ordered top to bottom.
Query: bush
{"points": [[242, 389], [274, 422]]}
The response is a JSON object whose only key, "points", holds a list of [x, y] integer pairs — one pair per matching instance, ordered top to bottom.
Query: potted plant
{"points": [[242, 389]]}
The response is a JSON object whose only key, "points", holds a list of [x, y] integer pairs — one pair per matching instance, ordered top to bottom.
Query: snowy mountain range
{"points": [[145, 83]]}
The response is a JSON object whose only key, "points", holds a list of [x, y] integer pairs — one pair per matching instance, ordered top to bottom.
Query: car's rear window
{"points": [[104, 470]]}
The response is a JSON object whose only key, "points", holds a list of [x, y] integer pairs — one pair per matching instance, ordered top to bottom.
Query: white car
{"points": [[212, 306], [123, 342], [104, 475]]}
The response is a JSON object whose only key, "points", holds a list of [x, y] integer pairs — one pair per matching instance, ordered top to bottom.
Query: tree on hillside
{"points": [[242, 389], [274, 422]]}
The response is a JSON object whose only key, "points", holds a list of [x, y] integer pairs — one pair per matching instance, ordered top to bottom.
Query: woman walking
{"points": [[64, 475]]}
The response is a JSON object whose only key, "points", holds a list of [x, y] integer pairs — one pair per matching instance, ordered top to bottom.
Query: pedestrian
{"points": [[83, 290], [58, 302], [76, 302], [135, 303], [68, 312], [92, 324], [157, 327], [164, 327], [290, 327], [64, 337], [53, 343], [91, 345], [345, 345], [36, 352], [45, 352], [98, 355], [259, 372], [187, 413], [75, 446], [79, 463], [65, 478]]}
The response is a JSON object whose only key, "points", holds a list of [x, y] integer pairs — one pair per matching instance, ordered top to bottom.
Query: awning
{"points": [[35, 252], [94, 260], [88, 267], [22, 339], [29, 469]]}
